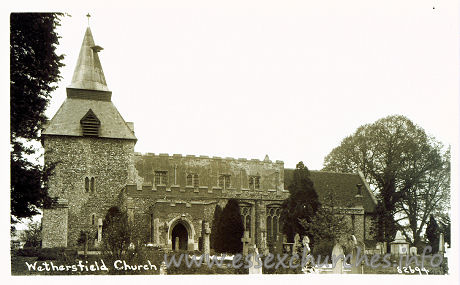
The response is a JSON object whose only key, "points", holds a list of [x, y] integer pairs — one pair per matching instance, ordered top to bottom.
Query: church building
{"points": [[168, 198]]}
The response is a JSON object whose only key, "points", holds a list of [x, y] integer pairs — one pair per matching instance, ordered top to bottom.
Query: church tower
{"points": [[93, 149]]}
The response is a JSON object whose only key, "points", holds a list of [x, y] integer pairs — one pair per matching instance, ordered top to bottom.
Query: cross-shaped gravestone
{"points": [[206, 233], [246, 240]]}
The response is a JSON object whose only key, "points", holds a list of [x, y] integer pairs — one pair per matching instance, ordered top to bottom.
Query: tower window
{"points": [[90, 124], [189, 180], [86, 184], [92, 184]]}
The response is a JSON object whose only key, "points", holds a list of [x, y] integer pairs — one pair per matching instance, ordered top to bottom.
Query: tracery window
{"points": [[246, 216], [273, 225]]}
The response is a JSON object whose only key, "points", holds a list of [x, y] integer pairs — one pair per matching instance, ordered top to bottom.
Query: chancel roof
{"points": [[340, 186]]}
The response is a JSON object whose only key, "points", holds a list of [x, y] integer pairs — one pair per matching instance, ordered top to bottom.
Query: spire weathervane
{"points": [[88, 15]]}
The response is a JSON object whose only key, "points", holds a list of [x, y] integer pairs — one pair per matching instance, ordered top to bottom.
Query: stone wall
{"points": [[108, 161], [54, 227]]}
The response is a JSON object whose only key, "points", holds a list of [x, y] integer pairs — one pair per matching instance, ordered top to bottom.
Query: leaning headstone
{"points": [[246, 240], [206, 243], [413, 251], [336, 252], [254, 254]]}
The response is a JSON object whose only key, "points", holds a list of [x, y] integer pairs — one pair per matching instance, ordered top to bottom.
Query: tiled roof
{"points": [[66, 121], [341, 185]]}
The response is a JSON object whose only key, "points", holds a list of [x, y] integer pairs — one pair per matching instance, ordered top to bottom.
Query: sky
{"points": [[250, 79]]}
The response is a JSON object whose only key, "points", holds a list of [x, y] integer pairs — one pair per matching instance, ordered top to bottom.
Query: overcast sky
{"points": [[290, 81]]}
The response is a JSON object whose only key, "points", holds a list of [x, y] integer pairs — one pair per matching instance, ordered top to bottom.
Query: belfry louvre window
{"points": [[90, 124], [161, 177]]}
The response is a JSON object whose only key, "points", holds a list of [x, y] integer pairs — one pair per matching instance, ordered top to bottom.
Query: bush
{"points": [[116, 232], [323, 248], [28, 251], [57, 253]]}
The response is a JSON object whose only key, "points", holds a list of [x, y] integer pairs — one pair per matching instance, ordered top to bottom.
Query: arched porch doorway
{"points": [[179, 237]]}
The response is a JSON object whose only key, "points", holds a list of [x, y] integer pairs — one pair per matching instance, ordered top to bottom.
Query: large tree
{"points": [[34, 72], [406, 167], [302, 203], [231, 228], [432, 234], [216, 238]]}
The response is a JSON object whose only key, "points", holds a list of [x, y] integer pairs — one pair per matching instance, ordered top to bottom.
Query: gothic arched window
{"points": [[189, 180], [246, 217], [273, 222]]}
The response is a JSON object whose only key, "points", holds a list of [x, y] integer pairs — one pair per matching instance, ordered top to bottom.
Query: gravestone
{"points": [[99, 230], [263, 238], [246, 240], [176, 243], [206, 243], [441, 244], [296, 245], [306, 245], [399, 246], [413, 251], [336, 252], [254, 254], [355, 267], [163, 268]]}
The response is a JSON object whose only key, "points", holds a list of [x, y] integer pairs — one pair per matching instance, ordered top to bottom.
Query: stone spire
{"points": [[88, 73]]}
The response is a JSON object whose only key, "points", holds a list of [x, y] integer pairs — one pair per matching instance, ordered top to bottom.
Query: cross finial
{"points": [[88, 15]]}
